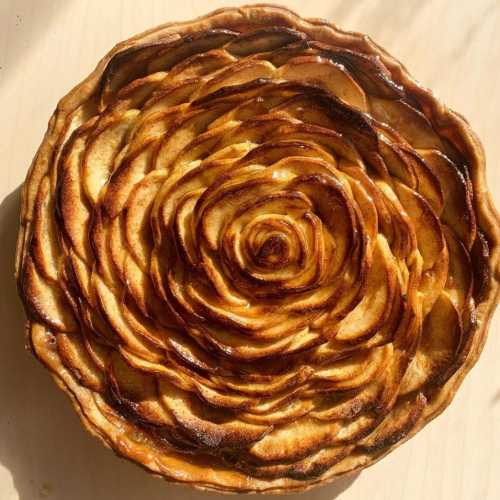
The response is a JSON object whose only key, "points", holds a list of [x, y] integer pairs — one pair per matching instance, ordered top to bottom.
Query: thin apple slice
{"points": [[263, 40], [188, 45], [281, 55], [199, 65], [124, 67], [368, 70], [237, 74], [327, 74], [137, 92], [168, 101], [317, 107], [412, 124], [256, 130], [182, 132], [325, 138], [205, 144], [102, 147], [272, 151], [396, 162], [132, 169], [426, 183], [72, 205], [367, 209], [458, 211], [137, 214], [396, 225], [99, 234], [430, 237], [431, 244], [117, 246], [44, 247], [79, 275], [460, 275], [46, 300], [375, 307], [112, 311], [248, 321], [143, 325], [441, 337], [185, 349], [99, 353], [76, 358], [158, 369], [356, 370], [190, 382], [266, 385], [136, 391], [340, 405], [295, 410], [396, 425], [209, 428], [306, 436], [305, 469]]}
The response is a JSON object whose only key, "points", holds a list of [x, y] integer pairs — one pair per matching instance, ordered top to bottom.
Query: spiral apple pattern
{"points": [[251, 255]]}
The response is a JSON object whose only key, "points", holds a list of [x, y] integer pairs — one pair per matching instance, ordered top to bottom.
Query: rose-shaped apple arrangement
{"points": [[254, 252]]}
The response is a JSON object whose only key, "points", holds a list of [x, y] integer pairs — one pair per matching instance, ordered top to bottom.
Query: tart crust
{"points": [[200, 471]]}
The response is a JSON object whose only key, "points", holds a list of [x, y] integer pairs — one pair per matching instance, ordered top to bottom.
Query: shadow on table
{"points": [[42, 444]]}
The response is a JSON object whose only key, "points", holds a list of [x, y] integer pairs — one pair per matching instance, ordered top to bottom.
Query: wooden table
{"points": [[47, 46]]}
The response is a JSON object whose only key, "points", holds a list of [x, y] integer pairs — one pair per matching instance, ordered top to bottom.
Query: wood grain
{"points": [[47, 46]]}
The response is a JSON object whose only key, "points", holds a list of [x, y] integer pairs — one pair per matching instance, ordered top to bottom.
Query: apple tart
{"points": [[255, 253]]}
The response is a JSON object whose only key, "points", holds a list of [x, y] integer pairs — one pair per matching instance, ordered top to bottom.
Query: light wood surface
{"points": [[46, 47]]}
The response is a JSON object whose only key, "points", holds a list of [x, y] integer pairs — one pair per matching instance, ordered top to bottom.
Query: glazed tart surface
{"points": [[255, 253]]}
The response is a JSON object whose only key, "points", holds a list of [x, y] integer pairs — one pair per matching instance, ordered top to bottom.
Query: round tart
{"points": [[255, 253]]}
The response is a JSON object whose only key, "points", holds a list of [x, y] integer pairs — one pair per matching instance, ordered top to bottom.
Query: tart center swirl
{"points": [[273, 252]]}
